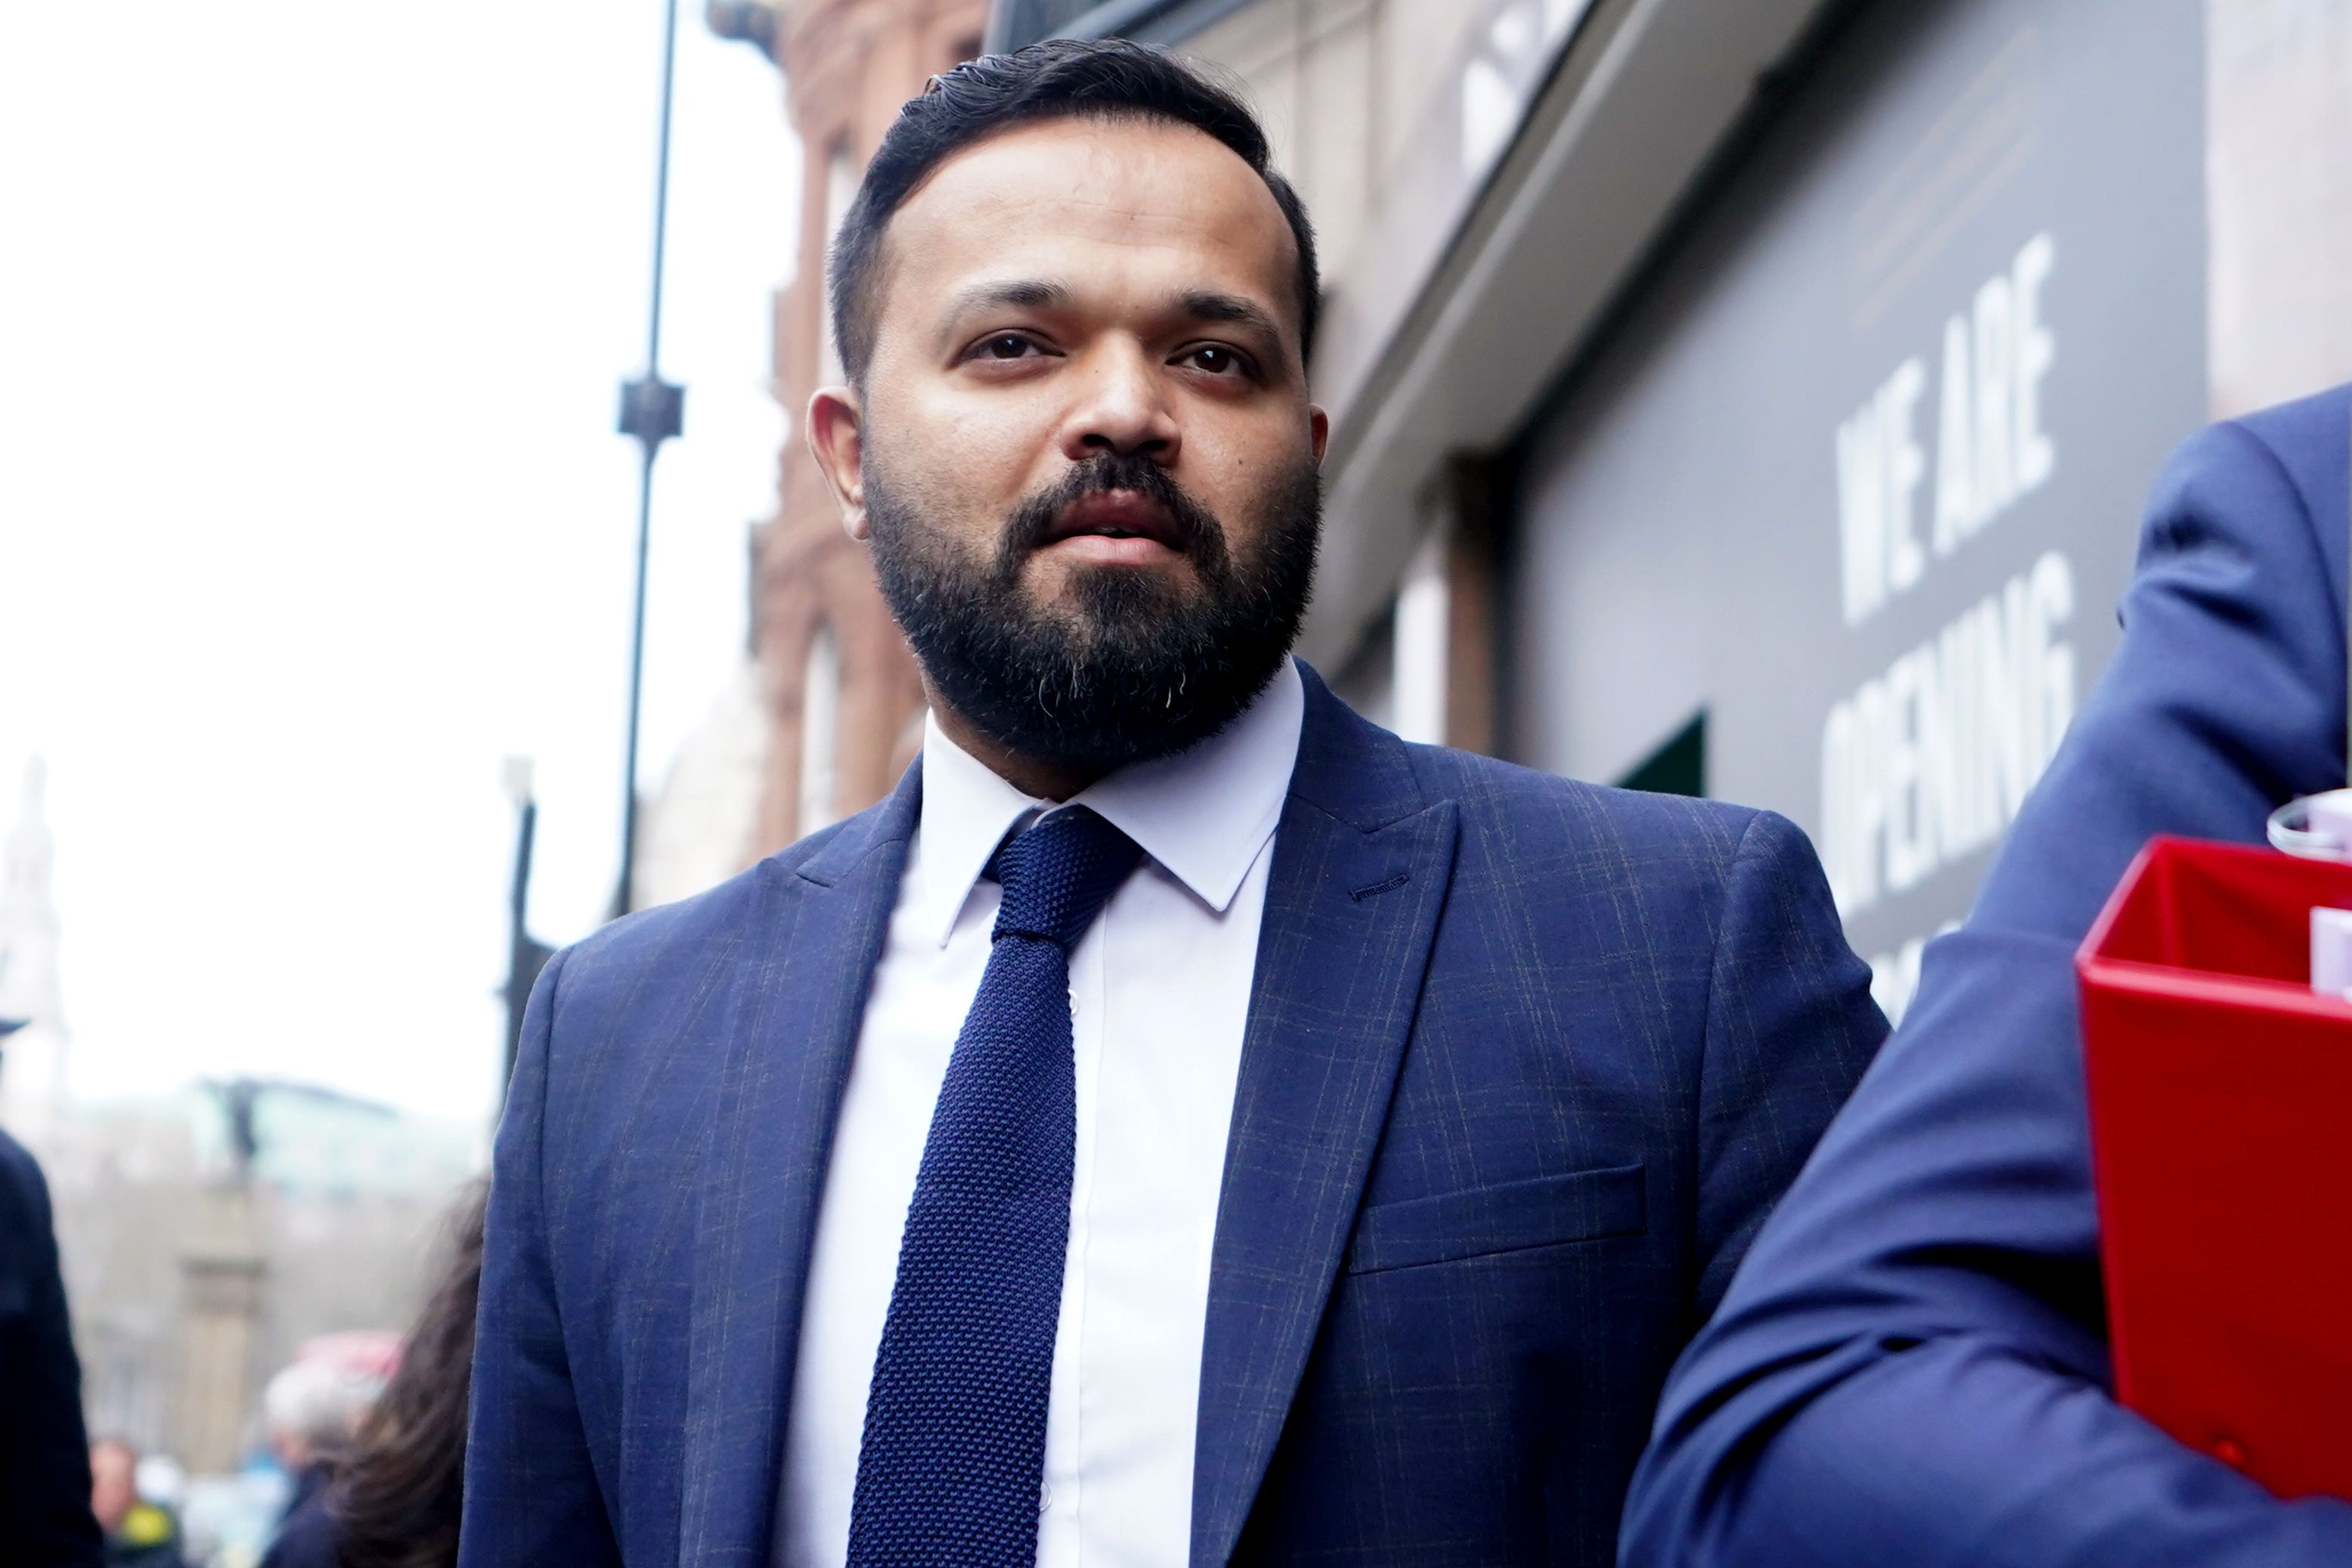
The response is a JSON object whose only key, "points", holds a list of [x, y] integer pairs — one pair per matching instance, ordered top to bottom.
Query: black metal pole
{"points": [[661, 182], [652, 410], [621, 894]]}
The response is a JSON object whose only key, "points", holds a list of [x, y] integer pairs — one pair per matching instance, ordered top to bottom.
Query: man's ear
{"points": [[1318, 430], [837, 440]]}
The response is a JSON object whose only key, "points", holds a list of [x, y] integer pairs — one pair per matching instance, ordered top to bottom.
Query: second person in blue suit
{"points": [[1912, 1366]]}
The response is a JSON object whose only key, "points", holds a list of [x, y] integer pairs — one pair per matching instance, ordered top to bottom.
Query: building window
{"points": [[1422, 629]]}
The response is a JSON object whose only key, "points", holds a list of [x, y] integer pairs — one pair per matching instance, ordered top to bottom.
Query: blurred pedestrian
{"points": [[313, 1410], [45, 1484], [397, 1503], [140, 1533]]}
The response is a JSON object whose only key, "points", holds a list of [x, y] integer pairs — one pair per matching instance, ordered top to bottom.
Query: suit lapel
{"points": [[1361, 863], [800, 999]]}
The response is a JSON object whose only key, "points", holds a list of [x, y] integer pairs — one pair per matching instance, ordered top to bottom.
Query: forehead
{"points": [[1128, 200]]}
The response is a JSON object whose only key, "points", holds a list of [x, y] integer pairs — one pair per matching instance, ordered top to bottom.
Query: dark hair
{"points": [[1109, 79], [397, 1499]]}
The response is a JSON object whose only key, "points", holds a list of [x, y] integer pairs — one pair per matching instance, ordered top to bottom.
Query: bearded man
{"points": [[1183, 1124]]}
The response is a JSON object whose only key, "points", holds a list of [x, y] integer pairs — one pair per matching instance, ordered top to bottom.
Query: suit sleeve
{"points": [[1791, 1027], [1911, 1368], [531, 1490], [45, 1514]]}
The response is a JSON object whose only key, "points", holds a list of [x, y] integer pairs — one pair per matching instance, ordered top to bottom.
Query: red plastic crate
{"points": [[2220, 1096]]}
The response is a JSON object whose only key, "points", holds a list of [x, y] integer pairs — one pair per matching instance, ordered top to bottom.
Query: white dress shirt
{"points": [[1160, 990]]}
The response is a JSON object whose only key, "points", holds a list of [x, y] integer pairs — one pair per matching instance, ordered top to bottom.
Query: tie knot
{"points": [[1059, 874]]}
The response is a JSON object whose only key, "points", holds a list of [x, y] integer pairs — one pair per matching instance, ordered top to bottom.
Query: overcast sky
{"points": [[311, 318]]}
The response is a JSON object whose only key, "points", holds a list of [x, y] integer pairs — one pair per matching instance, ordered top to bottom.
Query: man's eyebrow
{"points": [[1019, 293], [1045, 294], [1209, 305]]}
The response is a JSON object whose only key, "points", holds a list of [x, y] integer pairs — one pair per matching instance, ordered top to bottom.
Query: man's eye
{"points": [[1006, 345], [1214, 359]]}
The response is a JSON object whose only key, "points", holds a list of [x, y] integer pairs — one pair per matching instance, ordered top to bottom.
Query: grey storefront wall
{"points": [[1855, 471]]}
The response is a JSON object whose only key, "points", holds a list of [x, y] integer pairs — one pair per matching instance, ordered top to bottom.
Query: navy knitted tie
{"points": [[954, 1451]]}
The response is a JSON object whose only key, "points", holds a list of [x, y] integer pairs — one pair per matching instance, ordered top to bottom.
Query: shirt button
{"points": [[1045, 1496]]}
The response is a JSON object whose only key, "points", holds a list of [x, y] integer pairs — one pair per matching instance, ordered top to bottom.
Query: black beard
{"points": [[1128, 663]]}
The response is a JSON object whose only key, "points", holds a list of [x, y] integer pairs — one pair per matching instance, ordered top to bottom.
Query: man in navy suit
{"points": [[1182, 1125], [1911, 1367]]}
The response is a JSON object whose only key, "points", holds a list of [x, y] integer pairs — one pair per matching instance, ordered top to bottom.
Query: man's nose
{"points": [[1122, 409]]}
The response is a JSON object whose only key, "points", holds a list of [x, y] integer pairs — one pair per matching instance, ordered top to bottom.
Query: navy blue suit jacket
{"points": [[1525, 1063], [1912, 1366]]}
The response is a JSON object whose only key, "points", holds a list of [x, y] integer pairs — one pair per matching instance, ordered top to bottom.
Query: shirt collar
{"points": [[1203, 813]]}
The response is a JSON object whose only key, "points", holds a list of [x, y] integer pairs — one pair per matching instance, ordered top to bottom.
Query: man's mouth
{"points": [[1117, 525]]}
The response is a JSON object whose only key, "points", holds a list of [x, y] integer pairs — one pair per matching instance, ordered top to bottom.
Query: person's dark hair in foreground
{"points": [[1430, 1102], [1912, 1367], [45, 1479], [397, 1500]]}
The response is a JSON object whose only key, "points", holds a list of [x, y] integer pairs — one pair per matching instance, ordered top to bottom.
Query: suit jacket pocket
{"points": [[1581, 1205]]}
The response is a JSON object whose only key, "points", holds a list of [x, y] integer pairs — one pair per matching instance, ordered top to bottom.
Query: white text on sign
{"points": [[1991, 448]]}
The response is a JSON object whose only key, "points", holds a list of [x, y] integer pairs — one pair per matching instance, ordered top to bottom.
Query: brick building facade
{"points": [[842, 698]]}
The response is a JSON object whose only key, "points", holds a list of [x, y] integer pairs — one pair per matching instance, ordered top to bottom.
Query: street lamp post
{"points": [[651, 411]]}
